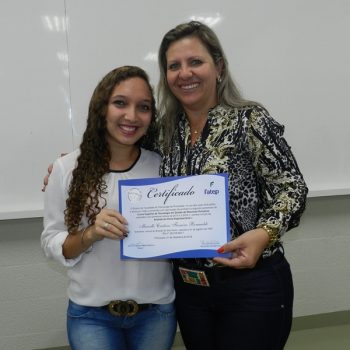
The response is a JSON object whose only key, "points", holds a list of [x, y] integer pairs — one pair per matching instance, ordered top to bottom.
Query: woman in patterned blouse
{"points": [[207, 127]]}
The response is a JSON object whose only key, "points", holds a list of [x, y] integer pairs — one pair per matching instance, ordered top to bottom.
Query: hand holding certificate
{"points": [[175, 217]]}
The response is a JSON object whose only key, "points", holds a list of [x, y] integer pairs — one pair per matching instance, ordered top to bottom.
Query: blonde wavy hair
{"points": [[168, 105]]}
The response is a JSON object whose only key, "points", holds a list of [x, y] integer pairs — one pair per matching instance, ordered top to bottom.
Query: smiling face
{"points": [[192, 74], [129, 112]]}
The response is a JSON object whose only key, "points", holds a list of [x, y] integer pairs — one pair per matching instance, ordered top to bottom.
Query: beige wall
{"points": [[318, 251], [33, 295]]}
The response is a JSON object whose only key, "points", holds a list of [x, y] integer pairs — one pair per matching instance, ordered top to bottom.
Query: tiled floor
{"points": [[325, 338], [330, 338]]}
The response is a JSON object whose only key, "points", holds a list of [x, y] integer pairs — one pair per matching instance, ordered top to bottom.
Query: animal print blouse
{"points": [[265, 183]]}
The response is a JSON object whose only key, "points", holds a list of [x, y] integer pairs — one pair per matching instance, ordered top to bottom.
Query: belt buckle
{"points": [[195, 277], [123, 307]]}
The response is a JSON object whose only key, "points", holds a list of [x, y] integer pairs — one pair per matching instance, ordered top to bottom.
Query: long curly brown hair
{"points": [[85, 195]]}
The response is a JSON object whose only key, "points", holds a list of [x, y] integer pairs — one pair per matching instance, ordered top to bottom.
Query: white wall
{"points": [[290, 55], [33, 290]]}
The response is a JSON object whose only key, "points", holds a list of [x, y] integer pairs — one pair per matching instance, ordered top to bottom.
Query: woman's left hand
{"points": [[246, 249]]}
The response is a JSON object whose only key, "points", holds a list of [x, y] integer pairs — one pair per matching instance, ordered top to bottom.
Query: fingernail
{"points": [[125, 234], [221, 250]]}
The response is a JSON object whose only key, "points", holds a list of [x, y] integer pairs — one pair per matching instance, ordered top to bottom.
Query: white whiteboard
{"points": [[292, 56], [34, 94]]}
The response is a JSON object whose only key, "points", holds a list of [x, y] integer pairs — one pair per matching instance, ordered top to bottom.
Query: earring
{"points": [[219, 79]]}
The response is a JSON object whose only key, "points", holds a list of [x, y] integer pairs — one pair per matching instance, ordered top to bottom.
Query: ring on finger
{"points": [[106, 225]]}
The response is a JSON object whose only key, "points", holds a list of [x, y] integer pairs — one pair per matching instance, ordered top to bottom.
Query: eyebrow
{"points": [[188, 58], [114, 96], [126, 97]]}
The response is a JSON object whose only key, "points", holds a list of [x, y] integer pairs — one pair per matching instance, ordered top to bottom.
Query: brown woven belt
{"points": [[126, 307]]}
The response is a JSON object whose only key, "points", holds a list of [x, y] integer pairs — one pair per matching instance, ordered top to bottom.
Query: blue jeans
{"points": [[249, 309], [95, 328]]}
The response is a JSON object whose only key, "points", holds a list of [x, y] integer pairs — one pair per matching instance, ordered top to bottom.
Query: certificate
{"points": [[175, 217]]}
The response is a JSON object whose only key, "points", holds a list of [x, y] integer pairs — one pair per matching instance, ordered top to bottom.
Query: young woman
{"points": [[207, 127], [113, 304]]}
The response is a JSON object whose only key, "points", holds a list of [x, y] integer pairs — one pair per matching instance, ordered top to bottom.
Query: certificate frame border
{"points": [[190, 254]]}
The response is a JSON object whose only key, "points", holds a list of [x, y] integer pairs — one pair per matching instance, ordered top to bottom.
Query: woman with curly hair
{"points": [[113, 304]]}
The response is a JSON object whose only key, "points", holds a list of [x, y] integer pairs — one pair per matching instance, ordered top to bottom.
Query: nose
{"points": [[185, 73], [131, 114]]}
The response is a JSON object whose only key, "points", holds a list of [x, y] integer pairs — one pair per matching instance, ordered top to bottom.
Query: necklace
{"points": [[196, 132], [194, 136]]}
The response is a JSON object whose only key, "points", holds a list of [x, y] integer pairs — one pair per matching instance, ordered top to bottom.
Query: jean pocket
{"points": [[166, 309], [75, 310]]}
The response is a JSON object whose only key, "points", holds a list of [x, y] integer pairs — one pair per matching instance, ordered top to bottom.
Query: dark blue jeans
{"points": [[248, 309]]}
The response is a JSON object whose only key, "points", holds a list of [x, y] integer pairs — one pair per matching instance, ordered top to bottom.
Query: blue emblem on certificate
{"points": [[175, 217]]}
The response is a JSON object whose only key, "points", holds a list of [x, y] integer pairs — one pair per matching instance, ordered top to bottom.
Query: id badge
{"points": [[195, 277]]}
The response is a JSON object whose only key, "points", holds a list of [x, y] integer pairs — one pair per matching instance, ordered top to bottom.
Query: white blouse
{"points": [[98, 275]]}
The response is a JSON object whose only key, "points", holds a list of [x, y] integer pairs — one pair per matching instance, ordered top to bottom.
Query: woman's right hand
{"points": [[109, 223]]}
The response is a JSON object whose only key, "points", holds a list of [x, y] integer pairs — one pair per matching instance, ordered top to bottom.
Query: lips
{"points": [[189, 87], [129, 129]]}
